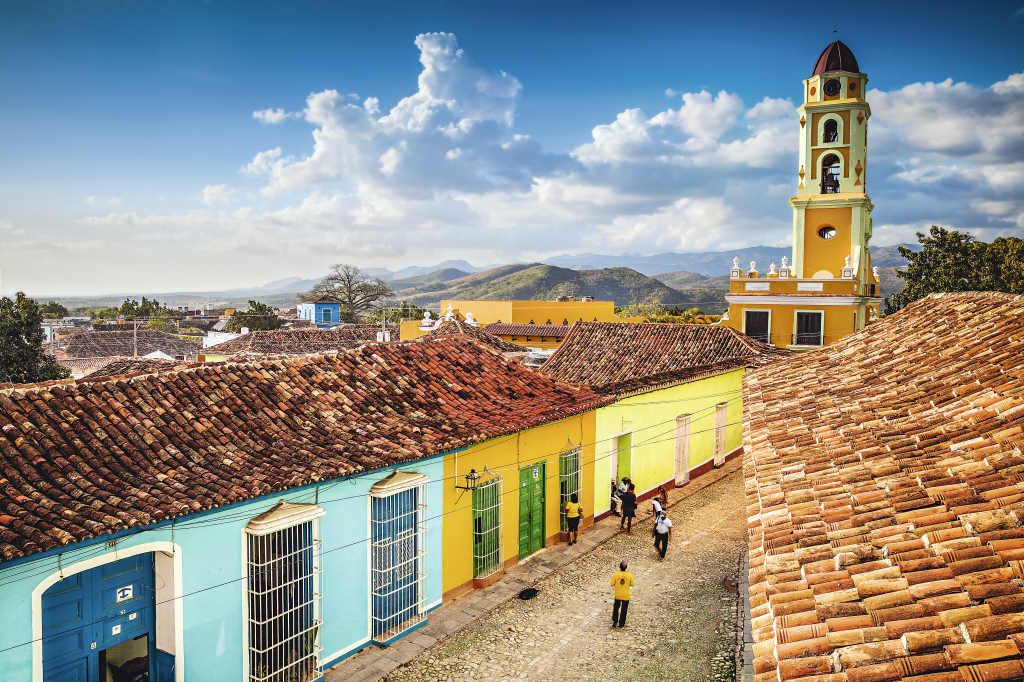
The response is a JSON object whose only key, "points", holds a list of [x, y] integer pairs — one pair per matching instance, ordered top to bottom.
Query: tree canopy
{"points": [[957, 261], [358, 292], [133, 310], [53, 311], [258, 317], [22, 357]]}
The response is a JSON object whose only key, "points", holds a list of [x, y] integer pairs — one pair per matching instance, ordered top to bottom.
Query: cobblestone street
{"points": [[682, 616]]}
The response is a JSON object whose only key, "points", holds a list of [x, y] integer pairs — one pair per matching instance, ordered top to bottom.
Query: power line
{"points": [[514, 491]]}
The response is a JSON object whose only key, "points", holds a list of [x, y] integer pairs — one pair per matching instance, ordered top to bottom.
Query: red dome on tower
{"points": [[836, 57]]}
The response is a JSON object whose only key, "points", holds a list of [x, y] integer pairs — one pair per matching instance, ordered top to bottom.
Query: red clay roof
{"points": [[836, 57], [453, 327], [557, 331], [301, 340], [83, 344], [621, 357], [123, 366], [80, 459], [885, 494]]}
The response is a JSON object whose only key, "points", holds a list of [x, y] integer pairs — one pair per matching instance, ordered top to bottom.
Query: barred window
{"points": [[568, 481], [398, 507], [487, 545], [284, 594]]}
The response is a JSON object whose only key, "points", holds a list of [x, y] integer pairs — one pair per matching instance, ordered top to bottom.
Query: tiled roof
{"points": [[459, 327], [557, 331], [302, 340], [84, 344], [624, 357], [83, 366], [122, 366], [80, 459], [885, 494]]}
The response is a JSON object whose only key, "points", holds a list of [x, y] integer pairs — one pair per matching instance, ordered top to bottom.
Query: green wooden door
{"points": [[531, 509]]}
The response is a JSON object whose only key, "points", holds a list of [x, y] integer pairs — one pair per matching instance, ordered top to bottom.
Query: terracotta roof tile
{"points": [[454, 327], [558, 331], [302, 340], [83, 344], [619, 357], [124, 366], [87, 457], [885, 494]]}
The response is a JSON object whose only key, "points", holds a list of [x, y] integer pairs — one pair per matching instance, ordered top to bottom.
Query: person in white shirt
{"points": [[616, 503], [662, 533]]}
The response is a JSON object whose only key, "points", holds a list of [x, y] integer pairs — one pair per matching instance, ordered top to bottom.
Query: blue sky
{"points": [[125, 129]]}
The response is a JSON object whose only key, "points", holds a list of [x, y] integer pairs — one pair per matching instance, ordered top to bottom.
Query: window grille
{"points": [[720, 416], [682, 449], [568, 481], [487, 541], [398, 554], [284, 594]]}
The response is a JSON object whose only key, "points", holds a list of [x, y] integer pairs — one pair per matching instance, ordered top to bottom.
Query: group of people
{"points": [[624, 504]]}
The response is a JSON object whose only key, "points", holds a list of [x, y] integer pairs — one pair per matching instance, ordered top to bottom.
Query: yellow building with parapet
{"points": [[830, 290], [563, 312]]}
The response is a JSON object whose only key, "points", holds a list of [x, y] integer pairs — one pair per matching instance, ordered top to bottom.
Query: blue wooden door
{"points": [[396, 551], [94, 610]]}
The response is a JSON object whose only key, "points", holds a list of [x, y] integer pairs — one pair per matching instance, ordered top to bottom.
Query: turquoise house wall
{"points": [[649, 420], [211, 547]]}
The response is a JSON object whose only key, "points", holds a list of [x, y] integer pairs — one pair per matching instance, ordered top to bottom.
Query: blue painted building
{"points": [[322, 311], [238, 521]]}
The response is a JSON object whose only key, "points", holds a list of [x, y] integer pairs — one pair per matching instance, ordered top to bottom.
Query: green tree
{"points": [[956, 261], [358, 292], [53, 310], [133, 310], [403, 311], [258, 317], [22, 358]]}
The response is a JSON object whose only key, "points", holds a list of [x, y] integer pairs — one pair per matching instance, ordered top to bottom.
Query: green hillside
{"points": [[436, 277], [546, 283]]}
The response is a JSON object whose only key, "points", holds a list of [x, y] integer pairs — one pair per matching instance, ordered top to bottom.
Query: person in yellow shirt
{"points": [[573, 514], [621, 581]]}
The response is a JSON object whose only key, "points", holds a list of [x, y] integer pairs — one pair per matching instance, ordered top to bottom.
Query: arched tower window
{"points": [[831, 131], [830, 174]]}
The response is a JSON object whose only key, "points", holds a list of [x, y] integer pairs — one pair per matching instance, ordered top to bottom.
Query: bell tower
{"points": [[831, 209], [830, 289]]}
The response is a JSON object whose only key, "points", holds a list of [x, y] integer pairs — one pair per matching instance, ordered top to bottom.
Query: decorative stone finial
{"points": [[785, 261], [849, 261], [736, 262], [753, 266], [772, 271], [874, 271], [449, 308], [426, 316]]}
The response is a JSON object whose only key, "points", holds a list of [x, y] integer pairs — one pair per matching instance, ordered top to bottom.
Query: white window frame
{"points": [[759, 310], [721, 422], [682, 450], [566, 460], [489, 508], [298, 525], [410, 546]]}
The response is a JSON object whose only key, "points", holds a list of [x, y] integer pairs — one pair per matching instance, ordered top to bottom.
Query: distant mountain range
{"points": [[700, 279]]}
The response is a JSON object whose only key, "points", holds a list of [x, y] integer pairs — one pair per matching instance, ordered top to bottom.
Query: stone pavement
{"points": [[551, 570]]}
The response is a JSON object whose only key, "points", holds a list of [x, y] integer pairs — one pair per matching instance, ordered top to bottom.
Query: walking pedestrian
{"points": [[659, 502], [616, 503], [628, 509], [573, 513], [662, 533], [621, 581]]}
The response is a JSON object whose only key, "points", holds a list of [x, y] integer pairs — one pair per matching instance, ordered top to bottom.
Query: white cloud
{"points": [[671, 94], [272, 116], [446, 173], [217, 194], [113, 201]]}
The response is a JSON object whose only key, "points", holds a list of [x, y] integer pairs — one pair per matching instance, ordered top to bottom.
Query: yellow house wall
{"points": [[521, 312], [410, 330], [651, 419], [505, 456]]}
